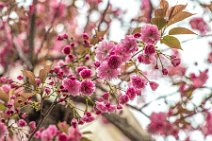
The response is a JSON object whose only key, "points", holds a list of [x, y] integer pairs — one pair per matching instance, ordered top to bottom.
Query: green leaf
{"points": [[179, 17], [159, 22], [180, 30], [171, 41], [2, 107], [87, 132], [84, 139]]}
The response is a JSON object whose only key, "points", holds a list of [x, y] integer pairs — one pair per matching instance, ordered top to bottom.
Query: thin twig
{"points": [[103, 15], [42, 120]]}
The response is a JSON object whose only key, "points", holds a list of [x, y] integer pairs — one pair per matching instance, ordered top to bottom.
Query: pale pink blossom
{"points": [[129, 44], [103, 50], [105, 72], [72, 86], [3, 130], [74, 134]]}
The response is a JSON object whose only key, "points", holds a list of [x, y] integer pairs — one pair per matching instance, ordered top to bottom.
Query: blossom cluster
{"points": [[103, 76]]}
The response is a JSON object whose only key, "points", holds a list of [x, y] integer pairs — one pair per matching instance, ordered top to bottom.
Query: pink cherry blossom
{"points": [[199, 24], [150, 34], [129, 44], [149, 49], [103, 50], [114, 61], [175, 61], [105, 72], [85, 73], [200, 80], [138, 82], [72, 85], [87, 87], [132, 92], [123, 99], [22, 123], [3, 130], [74, 134]]}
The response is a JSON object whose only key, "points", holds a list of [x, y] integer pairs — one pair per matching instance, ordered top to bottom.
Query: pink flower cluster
{"points": [[199, 24], [150, 34], [112, 56], [200, 80], [74, 87], [159, 124], [207, 129], [3, 130], [52, 133]]}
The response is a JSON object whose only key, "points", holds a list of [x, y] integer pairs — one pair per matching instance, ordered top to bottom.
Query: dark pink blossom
{"points": [[149, 49], [67, 50], [142, 58], [114, 61], [165, 71], [85, 73], [138, 82], [87, 87], [132, 92], [123, 99], [21, 123]]}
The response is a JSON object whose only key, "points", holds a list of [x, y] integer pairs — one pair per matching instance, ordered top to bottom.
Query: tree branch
{"points": [[32, 32]]}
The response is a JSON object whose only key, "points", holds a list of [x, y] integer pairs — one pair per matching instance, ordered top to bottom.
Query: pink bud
{"points": [[175, 61], [165, 71], [153, 85]]}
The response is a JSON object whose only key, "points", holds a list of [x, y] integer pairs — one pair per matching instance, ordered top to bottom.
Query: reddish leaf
{"points": [[164, 5], [176, 9], [160, 13], [179, 17], [160, 22], [136, 30], [44, 73], [30, 76], [3, 96]]}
